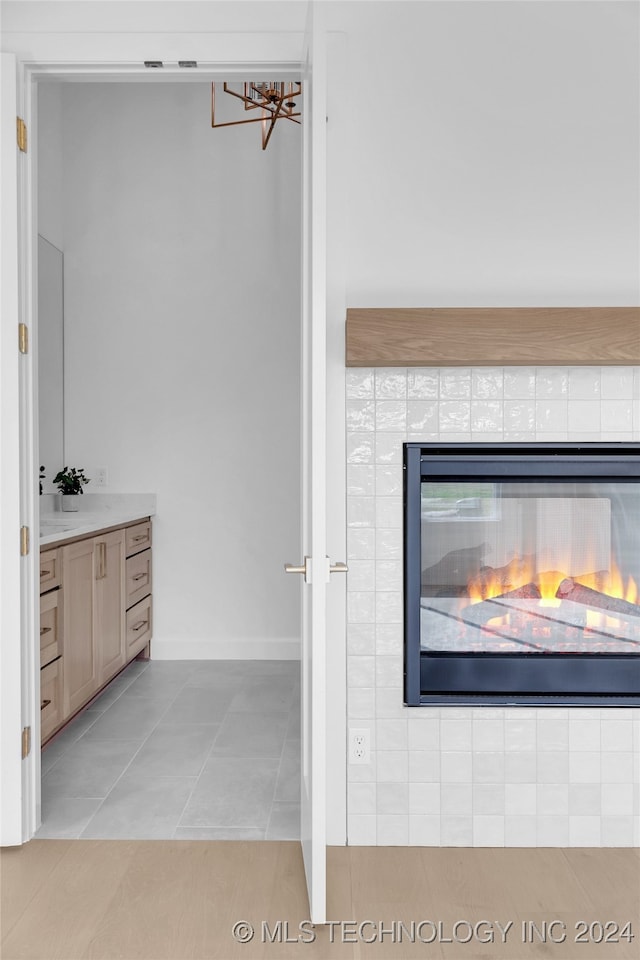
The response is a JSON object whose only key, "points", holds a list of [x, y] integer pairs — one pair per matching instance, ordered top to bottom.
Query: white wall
{"points": [[42, 17], [129, 32], [494, 159], [182, 351]]}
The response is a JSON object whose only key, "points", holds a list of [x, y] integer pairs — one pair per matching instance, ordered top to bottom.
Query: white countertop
{"points": [[101, 511]]}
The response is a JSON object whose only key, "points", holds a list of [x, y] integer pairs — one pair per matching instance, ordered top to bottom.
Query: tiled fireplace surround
{"points": [[491, 776]]}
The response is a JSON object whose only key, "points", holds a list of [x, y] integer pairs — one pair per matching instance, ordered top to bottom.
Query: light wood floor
{"points": [[178, 900]]}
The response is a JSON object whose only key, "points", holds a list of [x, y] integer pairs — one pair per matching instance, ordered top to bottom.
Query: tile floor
{"points": [[180, 750]]}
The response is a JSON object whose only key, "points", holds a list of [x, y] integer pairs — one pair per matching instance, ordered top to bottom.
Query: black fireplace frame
{"points": [[495, 678]]}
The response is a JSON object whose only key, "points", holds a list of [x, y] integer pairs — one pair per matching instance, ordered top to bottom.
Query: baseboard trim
{"points": [[287, 648]]}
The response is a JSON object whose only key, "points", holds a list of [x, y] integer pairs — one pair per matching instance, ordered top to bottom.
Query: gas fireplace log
{"points": [[597, 579], [571, 590], [480, 613]]}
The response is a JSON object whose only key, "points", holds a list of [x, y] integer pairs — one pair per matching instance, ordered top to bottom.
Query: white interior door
{"points": [[314, 535], [11, 828]]}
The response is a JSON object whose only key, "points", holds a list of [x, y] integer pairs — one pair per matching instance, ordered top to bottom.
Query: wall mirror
{"points": [[50, 357]]}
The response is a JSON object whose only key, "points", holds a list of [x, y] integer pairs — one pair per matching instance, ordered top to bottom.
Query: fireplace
{"points": [[522, 573]]}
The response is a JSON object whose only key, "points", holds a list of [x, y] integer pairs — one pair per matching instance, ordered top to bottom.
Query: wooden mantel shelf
{"points": [[487, 336]]}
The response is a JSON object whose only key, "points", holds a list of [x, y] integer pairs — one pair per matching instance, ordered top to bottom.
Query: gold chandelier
{"points": [[274, 100]]}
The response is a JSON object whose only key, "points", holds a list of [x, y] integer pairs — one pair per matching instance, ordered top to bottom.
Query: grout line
{"points": [[197, 779], [275, 783]]}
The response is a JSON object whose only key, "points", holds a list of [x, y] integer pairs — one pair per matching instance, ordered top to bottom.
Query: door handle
{"points": [[305, 569]]}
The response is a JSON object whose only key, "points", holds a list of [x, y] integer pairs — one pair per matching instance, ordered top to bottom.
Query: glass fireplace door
{"points": [[514, 556], [530, 568]]}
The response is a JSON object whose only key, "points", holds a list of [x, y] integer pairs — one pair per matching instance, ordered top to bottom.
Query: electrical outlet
{"points": [[99, 476], [359, 745]]}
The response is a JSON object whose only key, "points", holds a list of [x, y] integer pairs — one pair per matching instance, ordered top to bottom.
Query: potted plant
{"points": [[69, 482]]}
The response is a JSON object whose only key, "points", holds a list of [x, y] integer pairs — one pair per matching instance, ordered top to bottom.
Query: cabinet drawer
{"points": [[138, 537], [49, 570], [138, 577], [50, 627], [138, 627], [50, 698]]}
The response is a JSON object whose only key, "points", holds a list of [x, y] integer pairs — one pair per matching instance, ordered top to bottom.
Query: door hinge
{"points": [[21, 130], [23, 338], [24, 541], [26, 742]]}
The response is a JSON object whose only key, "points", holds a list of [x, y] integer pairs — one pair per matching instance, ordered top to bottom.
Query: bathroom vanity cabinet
{"points": [[95, 616], [50, 644]]}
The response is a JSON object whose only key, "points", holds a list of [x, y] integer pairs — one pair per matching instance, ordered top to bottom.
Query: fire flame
{"points": [[520, 571], [617, 588]]}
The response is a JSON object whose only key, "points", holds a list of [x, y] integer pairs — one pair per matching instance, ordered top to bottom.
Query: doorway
{"points": [[181, 380]]}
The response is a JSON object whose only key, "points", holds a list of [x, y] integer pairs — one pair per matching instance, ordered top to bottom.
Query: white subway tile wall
{"points": [[464, 776]]}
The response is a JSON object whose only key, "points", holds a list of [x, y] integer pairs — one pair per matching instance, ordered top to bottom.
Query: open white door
{"points": [[316, 565], [11, 830]]}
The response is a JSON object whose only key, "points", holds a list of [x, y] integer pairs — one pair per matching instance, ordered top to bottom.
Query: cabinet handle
{"points": [[141, 536], [101, 571], [45, 572], [139, 576], [140, 625], [44, 630], [45, 703]]}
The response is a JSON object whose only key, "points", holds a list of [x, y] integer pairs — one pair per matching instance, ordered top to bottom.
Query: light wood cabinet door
{"points": [[138, 537], [49, 570], [138, 577], [109, 604], [50, 627], [138, 627], [80, 643]]}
